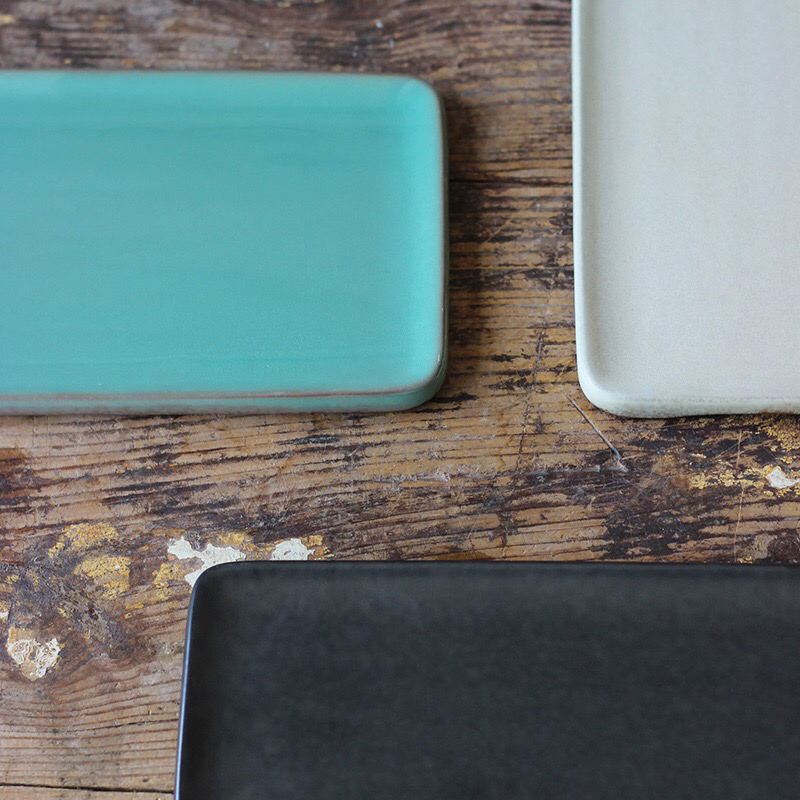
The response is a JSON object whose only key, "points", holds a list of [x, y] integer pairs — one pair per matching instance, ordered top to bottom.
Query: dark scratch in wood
{"points": [[607, 442]]}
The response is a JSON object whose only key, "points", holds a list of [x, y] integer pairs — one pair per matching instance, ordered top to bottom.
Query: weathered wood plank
{"points": [[103, 518], [42, 793]]}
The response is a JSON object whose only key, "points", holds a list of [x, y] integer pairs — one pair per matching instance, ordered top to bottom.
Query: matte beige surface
{"points": [[687, 189]]}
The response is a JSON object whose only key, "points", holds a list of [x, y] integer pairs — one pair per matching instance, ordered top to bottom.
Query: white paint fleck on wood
{"points": [[778, 479], [291, 550], [210, 555], [33, 657]]}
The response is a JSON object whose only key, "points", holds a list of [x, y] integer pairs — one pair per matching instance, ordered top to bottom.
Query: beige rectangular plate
{"points": [[687, 205]]}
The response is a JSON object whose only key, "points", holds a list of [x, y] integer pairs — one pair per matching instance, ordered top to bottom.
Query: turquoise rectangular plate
{"points": [[220, 241]]}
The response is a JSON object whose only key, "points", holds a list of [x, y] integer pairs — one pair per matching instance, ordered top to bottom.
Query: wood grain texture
{"points": [[103, 518], [41, 793]]}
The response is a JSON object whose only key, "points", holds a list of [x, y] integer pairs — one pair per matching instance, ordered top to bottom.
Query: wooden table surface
{"points": [[105, 521]]}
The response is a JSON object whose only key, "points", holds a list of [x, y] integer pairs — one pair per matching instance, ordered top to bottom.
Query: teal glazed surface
{"points": [[220, 241]]}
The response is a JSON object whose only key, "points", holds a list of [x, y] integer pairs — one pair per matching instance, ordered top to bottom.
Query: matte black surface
{"points": [[431, 681]]}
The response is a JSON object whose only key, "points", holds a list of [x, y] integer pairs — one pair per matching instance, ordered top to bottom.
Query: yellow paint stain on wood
{"points": [[7, 19], [784, 430], [745, 478], [749, 478], [83, 536], [239, 540], [242, 540], [315, 542], [111, 573], [168, 574]]}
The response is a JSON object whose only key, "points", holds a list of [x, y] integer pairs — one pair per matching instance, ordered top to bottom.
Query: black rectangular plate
{"points": [[431, 681]]}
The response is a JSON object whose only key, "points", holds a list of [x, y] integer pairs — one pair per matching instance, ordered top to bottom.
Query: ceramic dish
{"points": [[687, 185], [231, 241], [431, 681]]}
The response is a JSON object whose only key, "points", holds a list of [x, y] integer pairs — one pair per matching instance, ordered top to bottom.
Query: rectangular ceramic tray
{"points": [[687, 189], [232, 241], [431, 681]]}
